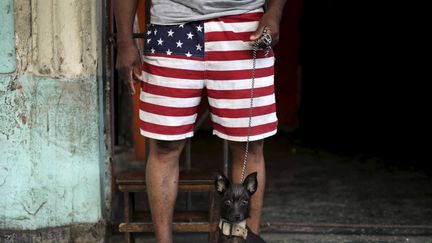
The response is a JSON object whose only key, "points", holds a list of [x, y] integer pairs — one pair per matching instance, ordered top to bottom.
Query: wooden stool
{"points": [[187, 221]]}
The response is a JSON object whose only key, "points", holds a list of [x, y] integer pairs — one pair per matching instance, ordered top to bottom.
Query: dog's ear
{"points": [[221, 183], [251, 183]]}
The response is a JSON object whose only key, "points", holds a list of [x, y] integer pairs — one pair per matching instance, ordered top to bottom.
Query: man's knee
{"points": [[167, 148], [255, 148]]}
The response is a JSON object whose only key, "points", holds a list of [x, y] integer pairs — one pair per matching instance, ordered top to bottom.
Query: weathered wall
{"points": [[7, 40], [50, 139]]}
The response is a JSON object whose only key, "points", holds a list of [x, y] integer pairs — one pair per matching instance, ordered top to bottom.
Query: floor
{"points": [[314, 195]]}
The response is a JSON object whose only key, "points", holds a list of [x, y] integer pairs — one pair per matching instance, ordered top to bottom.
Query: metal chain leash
{"points": [[265, 40]]}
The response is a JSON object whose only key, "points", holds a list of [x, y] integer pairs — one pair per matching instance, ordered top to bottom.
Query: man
{"points": [[192, 44]]}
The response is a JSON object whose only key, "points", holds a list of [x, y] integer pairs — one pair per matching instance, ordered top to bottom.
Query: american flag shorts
{"points": [[181, 60]]}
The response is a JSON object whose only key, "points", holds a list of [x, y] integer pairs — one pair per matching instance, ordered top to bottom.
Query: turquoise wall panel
{"points": [[7, 37], [49, 153]]}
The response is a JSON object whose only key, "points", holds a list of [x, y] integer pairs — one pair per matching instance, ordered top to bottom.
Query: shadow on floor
{"points": [[313, 195]]}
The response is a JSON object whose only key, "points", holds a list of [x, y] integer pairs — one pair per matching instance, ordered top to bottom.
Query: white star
{"points": [[181, 26], [199, 28], [155, 31], [149, 32], [170, 33], [190, 35], [148, 40], [160, 41], [179, 44], [199, 47], [152, 51], [168, 52], [188, 54]]}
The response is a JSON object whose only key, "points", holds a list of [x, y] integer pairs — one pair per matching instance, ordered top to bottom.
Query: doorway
{"points": [[325, 177]]}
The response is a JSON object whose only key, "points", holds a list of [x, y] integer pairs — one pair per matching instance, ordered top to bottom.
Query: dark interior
{"points": [[355, 135]]}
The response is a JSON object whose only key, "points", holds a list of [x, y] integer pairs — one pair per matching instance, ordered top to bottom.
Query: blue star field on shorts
{"points": [[180, 40]]}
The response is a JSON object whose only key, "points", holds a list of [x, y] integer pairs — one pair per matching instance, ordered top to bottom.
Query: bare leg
{"points": [[255, 163], [162, 174]]}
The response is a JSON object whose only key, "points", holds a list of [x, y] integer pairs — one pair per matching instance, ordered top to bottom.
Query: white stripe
{"points": [[234, 27], [237, 45], [178, 63], [239, 64], [210, 65], [177, 83], [239, 83], [210, 84], [169, 101], [241, 103], [166, 120], [244, 121], [164, 136], [243, 138]]}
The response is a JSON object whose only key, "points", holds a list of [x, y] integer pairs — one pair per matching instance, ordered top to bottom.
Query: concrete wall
{"points": [[52, 155]]}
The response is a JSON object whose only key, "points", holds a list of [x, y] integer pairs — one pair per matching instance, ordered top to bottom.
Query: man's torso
{"points": [[169, 12]]}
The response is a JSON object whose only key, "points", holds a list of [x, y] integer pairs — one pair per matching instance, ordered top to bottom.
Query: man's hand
{"points": [[271, 19], [128, 65]]}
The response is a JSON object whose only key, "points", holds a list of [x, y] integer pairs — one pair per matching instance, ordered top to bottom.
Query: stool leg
{"points": [[128, 204], [129, 237]]}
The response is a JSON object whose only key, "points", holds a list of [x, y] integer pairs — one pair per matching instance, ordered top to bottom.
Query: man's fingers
{"points": [[257, 33], [262, 44], [128, 66], [137, 73], [130, 75], [127, 79], [130, 82], [132, 87]]}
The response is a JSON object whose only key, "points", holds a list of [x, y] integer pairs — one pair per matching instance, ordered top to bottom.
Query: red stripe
{"points": [[247, 17], [227, 36], [233, 55], [173, 72], [211, 74], [239, 74], [170, 92], [240, 93], [168, 111], [239, 113], [166, 130], [243, 131]]}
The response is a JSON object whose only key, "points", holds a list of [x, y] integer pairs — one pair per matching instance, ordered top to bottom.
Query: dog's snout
{"points": [[237, 217]]}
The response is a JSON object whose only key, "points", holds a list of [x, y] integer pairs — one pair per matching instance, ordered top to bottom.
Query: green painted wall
{"points": [[49, 153], [52, 156]]}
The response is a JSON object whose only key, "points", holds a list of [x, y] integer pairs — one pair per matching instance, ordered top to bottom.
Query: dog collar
{"points": [[235, 229]]}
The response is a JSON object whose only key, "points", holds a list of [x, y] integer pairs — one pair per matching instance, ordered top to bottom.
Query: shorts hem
{"points": [[165, 137], [244, 138]]}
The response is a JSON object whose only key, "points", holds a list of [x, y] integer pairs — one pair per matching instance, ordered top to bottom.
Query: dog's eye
{"points": [[227, 202], [244, 202]]}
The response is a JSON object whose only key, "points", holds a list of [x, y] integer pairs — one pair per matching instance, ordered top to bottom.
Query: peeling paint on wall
{"points": [[64, 43], [49, 118], [49, 163]]}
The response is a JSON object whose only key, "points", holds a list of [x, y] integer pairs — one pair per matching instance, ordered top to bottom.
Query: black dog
{"points": [[234, 209]]}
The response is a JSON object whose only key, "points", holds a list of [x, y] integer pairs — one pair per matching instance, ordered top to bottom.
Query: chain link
{"points": [[265, 39]]}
